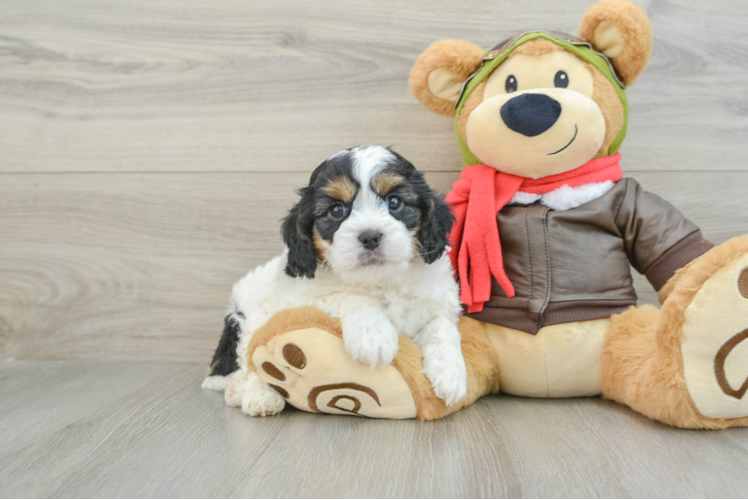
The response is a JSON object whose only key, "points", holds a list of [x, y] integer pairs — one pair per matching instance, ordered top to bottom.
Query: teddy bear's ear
{"points": [[620, 30], [437, 77]]}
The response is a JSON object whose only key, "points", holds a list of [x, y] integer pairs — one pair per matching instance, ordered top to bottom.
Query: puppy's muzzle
{"points": [[530, 114]]}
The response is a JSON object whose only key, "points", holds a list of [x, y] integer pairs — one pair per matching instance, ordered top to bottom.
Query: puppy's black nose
{"points": [[530, 114], [370, 239]]}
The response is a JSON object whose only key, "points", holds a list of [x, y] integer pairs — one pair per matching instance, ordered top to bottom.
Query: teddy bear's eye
{"points": [[561, 79], [511, 84]]}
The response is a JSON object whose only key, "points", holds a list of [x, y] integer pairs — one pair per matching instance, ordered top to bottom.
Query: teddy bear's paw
{"points": [[715, 343], [312, 370], [448, 377], [260, 400]]}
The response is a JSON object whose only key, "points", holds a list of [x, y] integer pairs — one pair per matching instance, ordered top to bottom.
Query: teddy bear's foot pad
{"points": [[715, 343], [312, 370]]}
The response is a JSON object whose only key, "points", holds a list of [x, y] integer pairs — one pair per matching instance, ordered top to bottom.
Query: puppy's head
{"points": [[366, 213]]}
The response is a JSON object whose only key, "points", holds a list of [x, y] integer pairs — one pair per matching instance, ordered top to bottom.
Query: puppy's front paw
{"points": [[373, 342], [448, 377]]}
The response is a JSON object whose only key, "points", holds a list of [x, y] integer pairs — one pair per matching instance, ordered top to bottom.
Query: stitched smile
{"points": [[572, 140]]}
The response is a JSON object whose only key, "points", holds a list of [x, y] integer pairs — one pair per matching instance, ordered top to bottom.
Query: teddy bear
{"points": [[546, 230]]}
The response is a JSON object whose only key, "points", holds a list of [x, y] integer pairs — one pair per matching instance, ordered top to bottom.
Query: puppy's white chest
{"points": [[397, 314], [406, 314]]}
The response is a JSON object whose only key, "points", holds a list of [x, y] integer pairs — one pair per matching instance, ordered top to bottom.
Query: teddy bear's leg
{"points": [[300, 353], [687, 364]]}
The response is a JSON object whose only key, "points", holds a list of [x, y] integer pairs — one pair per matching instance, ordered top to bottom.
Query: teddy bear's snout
{"points": [[530, 114]]}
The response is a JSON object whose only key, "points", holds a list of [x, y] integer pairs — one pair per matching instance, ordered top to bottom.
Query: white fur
{"points": [[565, 197], [525, 198], [370, 212], [375, 300], [438, 341], [215, 383], [235, 388], [259, 400]]}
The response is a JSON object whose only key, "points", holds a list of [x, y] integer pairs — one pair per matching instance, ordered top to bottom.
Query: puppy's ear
{"points": [[620, 30], [438, 75], [297, 234], [434, 234]]}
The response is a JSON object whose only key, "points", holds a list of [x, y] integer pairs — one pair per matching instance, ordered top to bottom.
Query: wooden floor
{"points": [[148, 149], [128, 429]]}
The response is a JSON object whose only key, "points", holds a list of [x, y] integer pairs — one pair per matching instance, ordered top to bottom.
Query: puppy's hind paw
{"points": [[235, 387], [263, 404]]}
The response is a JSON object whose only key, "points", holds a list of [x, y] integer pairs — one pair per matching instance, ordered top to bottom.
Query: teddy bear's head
{"points": [[540, 103]]}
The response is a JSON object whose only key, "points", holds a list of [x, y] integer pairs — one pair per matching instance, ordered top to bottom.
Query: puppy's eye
{"points": [[561, 80], [511, 84], [394, 203], [338, 211]]}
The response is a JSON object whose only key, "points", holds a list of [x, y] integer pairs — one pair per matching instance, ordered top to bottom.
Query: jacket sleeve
{"points": [[658, 239]]}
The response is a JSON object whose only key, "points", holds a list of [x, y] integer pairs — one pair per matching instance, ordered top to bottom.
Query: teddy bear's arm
{"points": [[658, 238]]}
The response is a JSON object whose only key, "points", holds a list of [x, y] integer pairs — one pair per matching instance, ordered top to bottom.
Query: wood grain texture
{"points": [[268, 85], [148, 150], [140, 266], [147, 430]]}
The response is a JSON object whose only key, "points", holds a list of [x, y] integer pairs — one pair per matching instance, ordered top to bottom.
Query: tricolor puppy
{"points": [[366, 244]]}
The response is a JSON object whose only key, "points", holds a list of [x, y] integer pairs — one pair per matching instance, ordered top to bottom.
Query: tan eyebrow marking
{"points": [[384, 182], [341, 188]]}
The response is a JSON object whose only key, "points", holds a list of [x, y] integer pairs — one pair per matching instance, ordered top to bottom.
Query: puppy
{"points": [[366, 244]]}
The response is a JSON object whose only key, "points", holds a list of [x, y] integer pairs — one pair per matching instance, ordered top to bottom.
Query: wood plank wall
{"points": [[148, 148]]}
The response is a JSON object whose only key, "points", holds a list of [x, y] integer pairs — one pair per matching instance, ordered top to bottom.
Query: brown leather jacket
{"points": [[573, 265]]}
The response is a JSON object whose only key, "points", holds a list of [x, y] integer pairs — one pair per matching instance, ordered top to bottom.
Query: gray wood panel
{"points": [[268, 85], [130, 131], [148, 150], [140, 266], [147, 430]]}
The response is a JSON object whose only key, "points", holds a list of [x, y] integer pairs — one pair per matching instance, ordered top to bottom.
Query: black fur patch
{"points": [[423, 205], [410, 214], [298, 226], [327, 226], [434, 234], [297, 235], [224, 360]]}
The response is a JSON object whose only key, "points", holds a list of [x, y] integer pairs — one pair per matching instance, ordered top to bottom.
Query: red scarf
{"points": [[477, 197]]}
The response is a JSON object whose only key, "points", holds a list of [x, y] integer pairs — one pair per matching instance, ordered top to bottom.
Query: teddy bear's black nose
{"points": [[530, 114]]}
